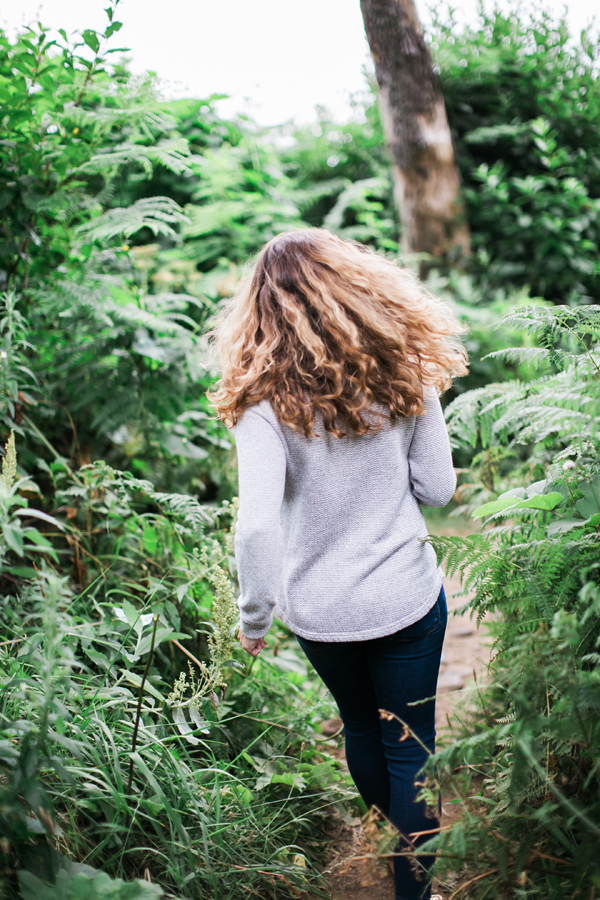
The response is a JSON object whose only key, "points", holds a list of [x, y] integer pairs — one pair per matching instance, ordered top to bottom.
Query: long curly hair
{"points": [[322, 324]]}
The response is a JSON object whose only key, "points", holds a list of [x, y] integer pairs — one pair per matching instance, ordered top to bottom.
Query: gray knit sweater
{"points": [[330, 530]]}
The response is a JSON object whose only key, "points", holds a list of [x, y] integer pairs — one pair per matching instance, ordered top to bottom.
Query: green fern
{"points": [[173, 154], [159, 214], [537, 579]]}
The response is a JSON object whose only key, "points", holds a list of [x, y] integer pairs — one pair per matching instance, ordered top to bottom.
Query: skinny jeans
{"points": [[389, 673]]}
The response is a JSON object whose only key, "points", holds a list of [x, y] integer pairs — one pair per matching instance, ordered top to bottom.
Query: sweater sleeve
{"points": [[432, 475], [258, 533]]}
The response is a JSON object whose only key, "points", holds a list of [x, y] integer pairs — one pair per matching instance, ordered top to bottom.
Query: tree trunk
{"points": [[426, 178]]}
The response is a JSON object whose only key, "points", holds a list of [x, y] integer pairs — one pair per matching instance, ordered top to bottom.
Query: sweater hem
{"points": [[369, 633]]}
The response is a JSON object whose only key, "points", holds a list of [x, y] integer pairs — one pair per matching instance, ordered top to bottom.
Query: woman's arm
{"points": [[432, 475], [258, 535]]}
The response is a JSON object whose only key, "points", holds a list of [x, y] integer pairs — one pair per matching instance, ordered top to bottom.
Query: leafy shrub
{"points": [[523, 101], [74, 126], [105, 755], [530, 790], [79, 882]]}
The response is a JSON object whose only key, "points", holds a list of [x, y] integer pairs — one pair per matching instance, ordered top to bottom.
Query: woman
{"points": [[332, 361]]}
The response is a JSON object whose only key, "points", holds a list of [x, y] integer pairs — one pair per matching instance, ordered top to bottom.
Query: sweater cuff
{"points": [[254, 631]]}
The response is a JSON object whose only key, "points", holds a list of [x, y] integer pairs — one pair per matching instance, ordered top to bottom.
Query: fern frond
{"points": [[142, 114], [173, 154], [352, 196], [66, 202], [158, 214], [536, 319], [519, 355]]}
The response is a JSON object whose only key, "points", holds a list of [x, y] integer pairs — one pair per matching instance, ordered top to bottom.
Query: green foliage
{"points": [[523, 100], [72, 127], [78, 127], [343, 177], [17, 381], [84, 669], [135, 742], [529, 826], [86, 885]]}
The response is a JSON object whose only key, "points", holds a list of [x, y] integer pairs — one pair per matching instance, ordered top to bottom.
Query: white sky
{"points": [[276, 58]]}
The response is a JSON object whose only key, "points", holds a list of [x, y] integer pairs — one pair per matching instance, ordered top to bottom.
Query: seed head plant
{"points": [[9, 462]]}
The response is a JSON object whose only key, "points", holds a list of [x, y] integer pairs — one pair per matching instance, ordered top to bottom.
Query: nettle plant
{"points": [[528, 780]]}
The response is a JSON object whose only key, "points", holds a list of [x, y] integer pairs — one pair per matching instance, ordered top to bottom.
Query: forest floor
{"points": [[464, 659]]}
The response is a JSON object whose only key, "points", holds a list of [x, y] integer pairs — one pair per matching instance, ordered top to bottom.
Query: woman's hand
{"points": [[253, 646]]}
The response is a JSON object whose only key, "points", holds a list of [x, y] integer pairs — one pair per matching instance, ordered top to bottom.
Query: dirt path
{"points": [[465, 653]]}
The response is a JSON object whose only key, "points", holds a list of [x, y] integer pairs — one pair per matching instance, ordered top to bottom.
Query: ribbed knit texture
{"points": [[330, 530]]}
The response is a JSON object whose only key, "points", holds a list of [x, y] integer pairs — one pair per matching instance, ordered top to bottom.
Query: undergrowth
{"points": [[124, 748], [526, 773]]}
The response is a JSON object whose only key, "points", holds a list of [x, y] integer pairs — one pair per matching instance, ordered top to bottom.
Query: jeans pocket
{"points": [[430, 623]]}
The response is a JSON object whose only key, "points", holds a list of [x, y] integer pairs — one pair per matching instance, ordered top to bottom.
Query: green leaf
{"points": [[114, 26], [91, 39], [183, 447], [542, 501], [589, 504], [507, 505], [38, 514], [564, 525], [13, 535], [33, 535], [150, 539], [21, 571], [133, 616], [162, 634], [135, 679], [200, 723], [183, 727], [293, 779], [244, 794]]}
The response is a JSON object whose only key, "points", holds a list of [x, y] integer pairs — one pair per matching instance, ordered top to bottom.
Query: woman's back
{"points": [[330, 530]]}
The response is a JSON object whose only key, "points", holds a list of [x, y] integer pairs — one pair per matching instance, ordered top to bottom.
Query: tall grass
{"points": [[133, 736]]}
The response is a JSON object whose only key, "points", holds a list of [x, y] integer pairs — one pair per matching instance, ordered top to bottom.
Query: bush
{"points": [[523, 101], [110, 754], [529, 788]]}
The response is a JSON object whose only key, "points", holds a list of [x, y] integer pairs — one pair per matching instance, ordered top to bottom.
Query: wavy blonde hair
{"points": [[322, 324]]}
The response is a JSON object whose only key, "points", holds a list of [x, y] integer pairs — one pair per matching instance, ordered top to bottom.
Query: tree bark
{"points": [[425, 174]]}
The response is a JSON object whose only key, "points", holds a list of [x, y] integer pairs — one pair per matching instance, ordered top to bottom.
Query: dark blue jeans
{"points": [[389, 673]]}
